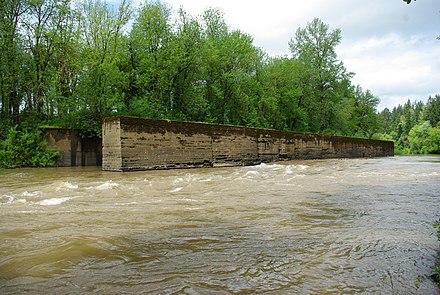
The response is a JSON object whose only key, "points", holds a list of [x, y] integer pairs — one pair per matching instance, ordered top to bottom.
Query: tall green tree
{"points": [[42, 29], [215, 32], [314, 47], [186, 54], [11, 56], [239, 56], [150, 58], [230, 58], [67, 61], [103, 82], [284, 95], [432, 110], [365, 114], [385, 121], [409, 127], [434, 134], [419, 138]]}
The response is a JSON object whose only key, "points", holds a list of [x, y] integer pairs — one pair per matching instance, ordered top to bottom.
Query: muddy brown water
{"points": [[308, 227]]}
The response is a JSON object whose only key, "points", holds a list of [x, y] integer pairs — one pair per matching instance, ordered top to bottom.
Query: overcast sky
{"points": [[391, 46]]}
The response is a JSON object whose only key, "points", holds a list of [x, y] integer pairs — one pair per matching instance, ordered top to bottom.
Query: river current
{"points": [[303, 227]]}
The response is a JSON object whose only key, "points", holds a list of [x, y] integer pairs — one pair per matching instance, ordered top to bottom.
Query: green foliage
{"points": [[314, 47], [103, 54], [72, 63], [284, 108], [431, 112], [365, 118], [89, 123], [408, 126], [434, 136], [419, 139], [25, 148]]}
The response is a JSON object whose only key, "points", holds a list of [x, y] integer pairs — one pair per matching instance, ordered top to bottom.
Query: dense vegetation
{"points": [[71, 63], [414, 127]]}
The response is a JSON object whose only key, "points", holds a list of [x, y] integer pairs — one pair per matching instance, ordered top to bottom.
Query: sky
{"points": [[391, 46]]}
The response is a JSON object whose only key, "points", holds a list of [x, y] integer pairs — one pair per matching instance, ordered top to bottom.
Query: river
{"points": [[340, 226]]}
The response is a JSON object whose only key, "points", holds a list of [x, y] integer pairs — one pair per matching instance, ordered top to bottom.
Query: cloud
{"points": [[394, 66]]}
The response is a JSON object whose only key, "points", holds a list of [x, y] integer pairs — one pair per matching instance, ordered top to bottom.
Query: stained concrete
{"points": [[131, 143], [73, 149]]}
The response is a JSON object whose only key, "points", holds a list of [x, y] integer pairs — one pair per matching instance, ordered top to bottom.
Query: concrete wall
{"points": [[141, 144], [74, 150]]}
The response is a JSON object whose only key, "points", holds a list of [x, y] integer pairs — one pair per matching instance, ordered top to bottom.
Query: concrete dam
{"points": [[132, 144]]}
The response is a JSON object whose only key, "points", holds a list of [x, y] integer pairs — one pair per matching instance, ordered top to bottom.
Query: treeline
{"points": [[75, 62], [71, 63], [414, 127]]}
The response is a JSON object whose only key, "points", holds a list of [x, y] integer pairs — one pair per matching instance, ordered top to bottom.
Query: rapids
{"points": [[318, 227]]}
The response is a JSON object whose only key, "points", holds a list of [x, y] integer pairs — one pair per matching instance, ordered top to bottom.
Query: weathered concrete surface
{"points": [[142, 144], [74, 150]]}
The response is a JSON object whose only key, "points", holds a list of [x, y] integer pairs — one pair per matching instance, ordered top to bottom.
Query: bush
{"points": [[25, 148]]}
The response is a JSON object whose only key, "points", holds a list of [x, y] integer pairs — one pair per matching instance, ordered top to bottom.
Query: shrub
{"points": [[25, 148]]}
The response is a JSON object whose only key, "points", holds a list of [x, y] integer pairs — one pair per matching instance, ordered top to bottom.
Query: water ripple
{"points": [[304, 227]]}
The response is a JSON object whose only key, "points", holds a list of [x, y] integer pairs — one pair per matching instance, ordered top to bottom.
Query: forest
{"points": [[67, 63]]}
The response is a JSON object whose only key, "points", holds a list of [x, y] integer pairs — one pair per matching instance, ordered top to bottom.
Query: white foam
{"points": [[301, 167], [251, 174], [178, 180], [206, 180], [66, 185], [107, 185], [177, 189], [29, 194], [54, 201], [126, 204], [193, 208]]}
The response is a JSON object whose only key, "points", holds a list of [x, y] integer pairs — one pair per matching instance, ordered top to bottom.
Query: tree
{"points": [[215, 31], [41, 32], [149, 47], [314, 47], [11, 53], [186, 53], [238, 56], [230, 59], [67, 61], [103, 82], [283, 95], [432, 110], [365, 112], [386, 121], [411, 128], [434, 134], [419, 138]]}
